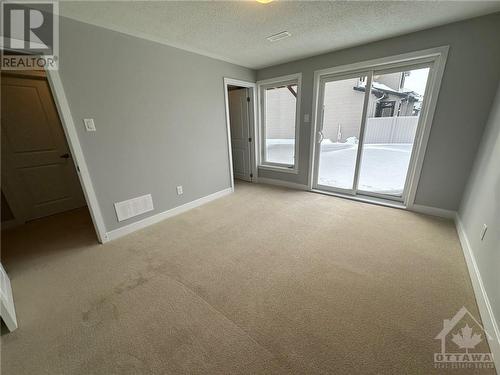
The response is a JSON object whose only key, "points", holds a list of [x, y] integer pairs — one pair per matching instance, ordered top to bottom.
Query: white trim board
{"points": [[252, 86], [261, 86], [69, 128], [272, 181], [363, 198], [427, 210], [433, 211], [127, 229], [483, 302], [7, 308]]}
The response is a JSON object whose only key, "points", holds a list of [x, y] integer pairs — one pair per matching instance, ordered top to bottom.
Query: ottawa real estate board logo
{"points": [[30, 35], [464, 343]]}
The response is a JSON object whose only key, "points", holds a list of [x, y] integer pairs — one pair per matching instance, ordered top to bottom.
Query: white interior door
{"points": [[239, 121], [38, 174]]}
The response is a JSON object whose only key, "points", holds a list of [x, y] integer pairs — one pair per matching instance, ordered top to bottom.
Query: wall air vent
{"points": [[279, 36], [133, 207]]}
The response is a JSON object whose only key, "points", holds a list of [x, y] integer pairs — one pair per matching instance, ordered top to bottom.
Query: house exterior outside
{"points": [[388, 99], [392, 111]]}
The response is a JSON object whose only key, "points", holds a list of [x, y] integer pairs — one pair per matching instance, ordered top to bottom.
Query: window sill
{"points": [[278, 169]]}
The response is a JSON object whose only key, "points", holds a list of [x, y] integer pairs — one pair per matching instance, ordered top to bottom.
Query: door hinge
{"points": [[248, 99], [249, 139]]}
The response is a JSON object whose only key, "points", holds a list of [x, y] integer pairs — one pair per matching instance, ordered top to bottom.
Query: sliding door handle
{"points": [[320, 136]]}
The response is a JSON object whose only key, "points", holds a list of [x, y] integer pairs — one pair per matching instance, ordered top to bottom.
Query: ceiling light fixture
{"points": [[264, 1], [279, 36]]}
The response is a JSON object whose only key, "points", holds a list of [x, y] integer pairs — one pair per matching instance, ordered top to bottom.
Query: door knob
{"points": [[64, 156]]}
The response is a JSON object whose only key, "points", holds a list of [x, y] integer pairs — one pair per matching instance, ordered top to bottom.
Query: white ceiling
{"points": [[236, 31]]}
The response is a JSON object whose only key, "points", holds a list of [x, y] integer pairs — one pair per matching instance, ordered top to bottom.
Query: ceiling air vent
{"points": [[279, 36]]}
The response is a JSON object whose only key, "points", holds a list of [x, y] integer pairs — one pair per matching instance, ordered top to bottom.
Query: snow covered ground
{"points": [[280, 151], [383, 166]]}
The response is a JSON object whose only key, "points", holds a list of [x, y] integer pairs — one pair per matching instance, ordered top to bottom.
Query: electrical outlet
{"points": [[179, 190], [483, 231]]}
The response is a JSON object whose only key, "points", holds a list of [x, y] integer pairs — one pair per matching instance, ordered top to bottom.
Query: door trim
{"points": [[437, 58], [252, 86], [69, 128]]}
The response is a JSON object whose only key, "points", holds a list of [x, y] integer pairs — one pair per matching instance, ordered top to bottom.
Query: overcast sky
{"points": [[416, 80]]}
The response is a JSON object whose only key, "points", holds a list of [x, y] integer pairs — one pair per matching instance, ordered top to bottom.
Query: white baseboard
{"points": [[271, 181], [433, 211], [119, 232], [483, 302]]}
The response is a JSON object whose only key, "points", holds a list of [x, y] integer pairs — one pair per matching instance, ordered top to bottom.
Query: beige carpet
{"points": [[264, 281]]}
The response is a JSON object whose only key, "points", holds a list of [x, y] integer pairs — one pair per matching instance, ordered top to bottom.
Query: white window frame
{"points": [[437, 57], [261, 87]]}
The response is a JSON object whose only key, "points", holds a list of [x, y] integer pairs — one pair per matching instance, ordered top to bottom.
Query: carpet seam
{"points": [[274, 355]]}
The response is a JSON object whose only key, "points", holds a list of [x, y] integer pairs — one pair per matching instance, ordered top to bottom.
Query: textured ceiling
{"points": [[236, 31]]}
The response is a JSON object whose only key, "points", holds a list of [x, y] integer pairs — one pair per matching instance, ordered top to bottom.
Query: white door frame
{"points": [[437, 58], [252, 86], [69, 128], [7, 308]]}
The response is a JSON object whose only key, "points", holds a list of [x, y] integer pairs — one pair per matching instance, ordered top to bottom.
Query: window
{"points": [[385, 109], [279, 123]]}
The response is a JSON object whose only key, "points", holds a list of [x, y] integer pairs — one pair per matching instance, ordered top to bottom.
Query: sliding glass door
{"points": [[341, 117], [367, 126], [391, 126]]}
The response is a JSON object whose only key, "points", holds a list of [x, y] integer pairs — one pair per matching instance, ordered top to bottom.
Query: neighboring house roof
{"points": [[381, 88]]}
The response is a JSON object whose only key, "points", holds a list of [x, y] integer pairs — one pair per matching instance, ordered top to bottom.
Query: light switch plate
{"points": [[307, 117], [89, 124], [179, 190], [483, 231]]}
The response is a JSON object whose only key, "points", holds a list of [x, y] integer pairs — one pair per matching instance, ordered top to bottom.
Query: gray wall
{"points": [[467, 90], [159, 113], [481, 205]]}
